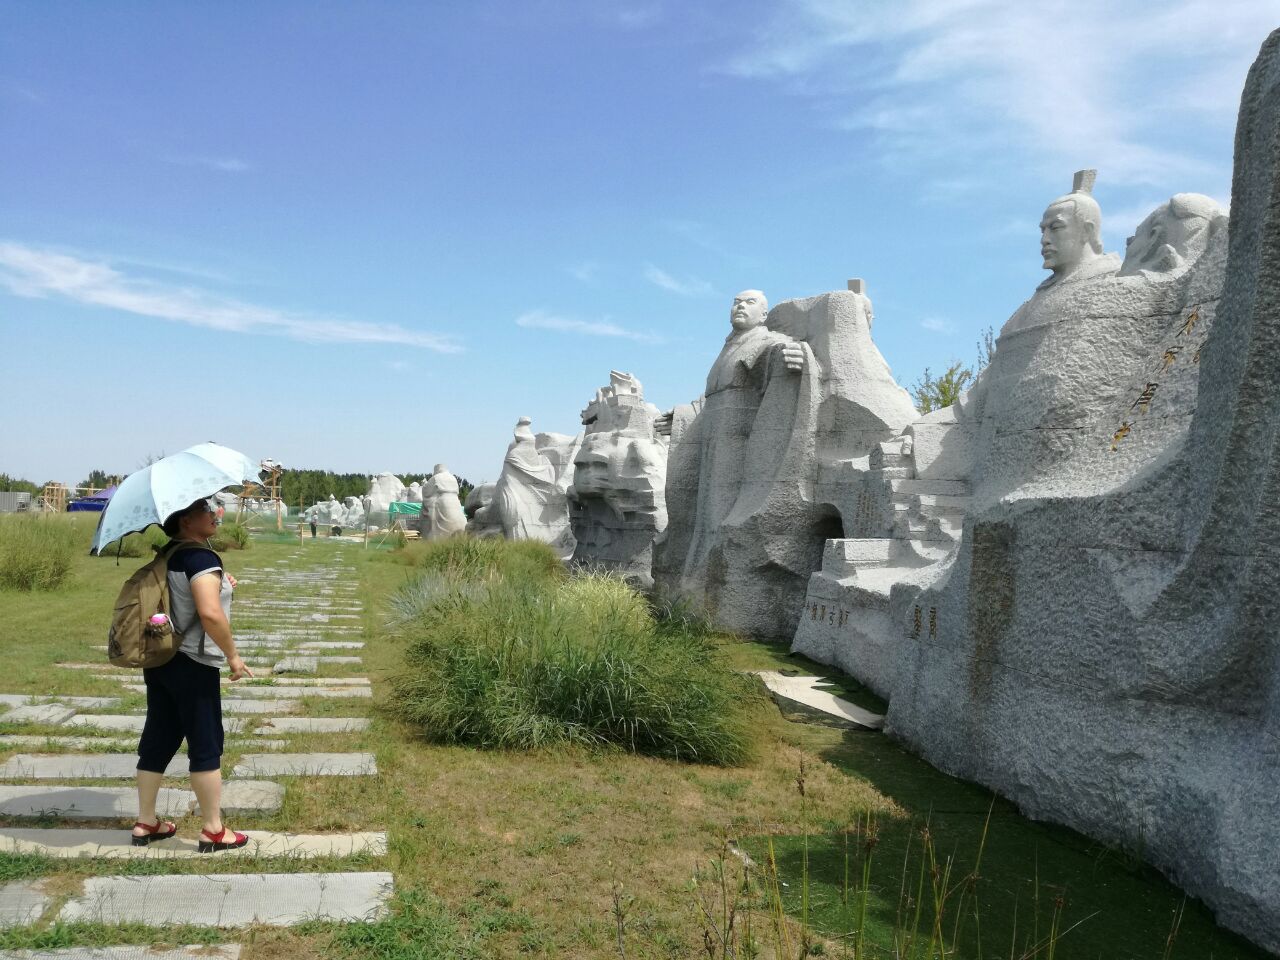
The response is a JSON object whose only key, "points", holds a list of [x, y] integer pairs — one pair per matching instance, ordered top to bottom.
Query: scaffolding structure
{"points": [[267, 489]]}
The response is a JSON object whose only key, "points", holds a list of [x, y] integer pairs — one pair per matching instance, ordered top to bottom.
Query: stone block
{"points": [[805, 691], [50, 713], [314, 725], [305, 765], [81, 766], [76, 843], [231, 900], [22, 902], [225, 951]]}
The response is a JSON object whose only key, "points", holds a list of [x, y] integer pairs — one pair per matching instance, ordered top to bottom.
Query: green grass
{"points": [[36, 550], [507, 653], [515, 853]]}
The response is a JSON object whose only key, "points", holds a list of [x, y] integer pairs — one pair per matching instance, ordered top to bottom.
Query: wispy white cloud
{"points": [[635, 16], [957, 82], [221, 164], [30, 272], [584, 272], [687, 287], [544, 320], [938, 325]]}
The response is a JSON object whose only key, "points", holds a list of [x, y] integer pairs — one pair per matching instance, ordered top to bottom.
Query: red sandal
{"points": [[154, 832], [218, 841]]}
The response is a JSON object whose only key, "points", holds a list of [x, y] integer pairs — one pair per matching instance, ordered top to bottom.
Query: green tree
{"points": [[933, 393], [100, 479], [10, 484]]}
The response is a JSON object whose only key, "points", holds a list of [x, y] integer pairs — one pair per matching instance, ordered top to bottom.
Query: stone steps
{"points": [[244, 691], [305, 765], [97, 803], [76, 843], [231, 899], [226, 951]]}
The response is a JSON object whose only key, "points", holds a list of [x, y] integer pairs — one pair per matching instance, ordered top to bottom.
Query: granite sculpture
{"points": [[755, 476], [384, 489], [530, 499], [617, 503], [481, 511], [442, 514], [1096, 642]]}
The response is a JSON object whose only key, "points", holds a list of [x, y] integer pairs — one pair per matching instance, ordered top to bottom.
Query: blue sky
{"points": [[369, 236]]}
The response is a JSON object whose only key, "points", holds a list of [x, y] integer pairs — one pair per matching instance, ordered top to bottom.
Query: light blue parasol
{"points": [[151, 494]]}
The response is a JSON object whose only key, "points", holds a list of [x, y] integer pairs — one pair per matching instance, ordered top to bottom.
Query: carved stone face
{"points": [[1064, 238], [1169, 238], [748, 310]]}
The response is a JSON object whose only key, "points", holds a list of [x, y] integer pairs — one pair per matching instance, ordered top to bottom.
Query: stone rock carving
{"points": [[754, 479], [384, 489], [413, 494], [531, 495], [617, 503], [481, 511], [353, 512], [442, 514], [1098, 645]]}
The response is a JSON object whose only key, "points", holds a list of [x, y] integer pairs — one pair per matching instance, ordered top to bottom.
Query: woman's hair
{"points": [[171, 522]]}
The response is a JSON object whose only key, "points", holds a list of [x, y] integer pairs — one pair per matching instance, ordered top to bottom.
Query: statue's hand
{"points": [[793, 357], [662, 424]]}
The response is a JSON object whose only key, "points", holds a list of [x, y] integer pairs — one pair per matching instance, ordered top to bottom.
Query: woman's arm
{"points": [[205, 591]]}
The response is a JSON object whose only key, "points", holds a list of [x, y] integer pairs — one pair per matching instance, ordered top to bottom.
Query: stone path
{"points": [[293, 620], [227, 951]]}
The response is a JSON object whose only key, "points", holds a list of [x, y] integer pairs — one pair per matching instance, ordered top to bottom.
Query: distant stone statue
{"points": [[414, 493], [531, 494], [617, 504], [442, 514]]}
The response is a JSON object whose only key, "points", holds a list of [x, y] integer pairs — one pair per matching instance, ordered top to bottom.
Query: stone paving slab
{"points": [[331, 645], [336, 660], [297, 665], [321, 682], [282, 690], [804, 691], [29, 699], [237, 705], [50, 713], [133, 722], [314, 725], [74, 743], [305, 765], [81, 766], [88, 803], [95, 803], [75, 843], [231, 900], [21, 902], [225, 951]]}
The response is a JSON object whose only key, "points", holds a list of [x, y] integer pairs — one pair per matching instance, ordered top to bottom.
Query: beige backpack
{"points": [[134, 641]]}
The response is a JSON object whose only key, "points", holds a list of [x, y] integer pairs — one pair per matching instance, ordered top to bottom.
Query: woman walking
{"points": [[184, 696]]}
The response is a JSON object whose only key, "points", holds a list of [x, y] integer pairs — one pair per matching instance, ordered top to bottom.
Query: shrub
{"points": [[231, 535], [142, 544], [36, 550], [498, 661]]}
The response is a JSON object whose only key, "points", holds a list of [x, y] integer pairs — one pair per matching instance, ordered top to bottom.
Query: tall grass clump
{"points": [[231, 535], [36, 550], [478, 558], [536, 659]]}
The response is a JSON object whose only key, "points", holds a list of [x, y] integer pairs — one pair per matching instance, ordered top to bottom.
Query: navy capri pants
{"points": [[183, 700]]}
